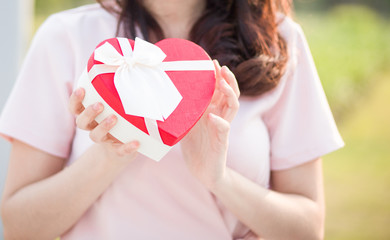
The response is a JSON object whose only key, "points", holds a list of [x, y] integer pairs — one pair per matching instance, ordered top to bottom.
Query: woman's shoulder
{"points": [[90, 11], [77, 20], [288, 28], [78, 30], [295, 39]]}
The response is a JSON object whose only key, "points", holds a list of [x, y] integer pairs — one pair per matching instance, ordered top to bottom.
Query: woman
{"points": [[245, 172]]}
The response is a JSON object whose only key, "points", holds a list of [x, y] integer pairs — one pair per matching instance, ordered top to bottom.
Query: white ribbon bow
{"points": [[143, 87]]}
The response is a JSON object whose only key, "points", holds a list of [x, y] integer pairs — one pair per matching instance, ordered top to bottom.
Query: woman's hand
{"points": [[106, 145], [205, 146]]}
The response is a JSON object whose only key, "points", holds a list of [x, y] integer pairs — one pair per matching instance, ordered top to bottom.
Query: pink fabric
{"points": [[286, 127]]}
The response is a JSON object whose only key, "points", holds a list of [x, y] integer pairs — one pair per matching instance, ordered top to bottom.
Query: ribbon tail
{"points": [[136, 94], [168, 95], [152, 127]]}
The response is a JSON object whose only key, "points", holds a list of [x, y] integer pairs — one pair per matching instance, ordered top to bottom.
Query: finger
{"points": [[217, 69], [231, 79], [217, 96], [75, 101], [231, 105], [86, 120], [220, 127], [100, 132], [112, 139], [128, 149]]}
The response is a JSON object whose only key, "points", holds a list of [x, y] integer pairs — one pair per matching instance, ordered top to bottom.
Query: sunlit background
{"points": [[350, 42]]}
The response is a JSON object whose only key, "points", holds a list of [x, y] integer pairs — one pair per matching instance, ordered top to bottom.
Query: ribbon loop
{"points": [[147, 53], [108, 55]]}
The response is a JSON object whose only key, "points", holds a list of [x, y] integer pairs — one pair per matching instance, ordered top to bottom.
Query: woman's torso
{"points": [[151, 200]]}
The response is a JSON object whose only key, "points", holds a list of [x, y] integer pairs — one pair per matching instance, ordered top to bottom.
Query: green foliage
{"points": [[382, 6], [46, 7], [350, 45], [357, 178]]}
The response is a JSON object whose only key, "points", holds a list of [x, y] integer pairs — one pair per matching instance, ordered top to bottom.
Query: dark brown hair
{"points": [[241, 34]]}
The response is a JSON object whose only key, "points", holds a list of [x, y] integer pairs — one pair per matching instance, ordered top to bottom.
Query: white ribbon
{"points": [[140, 79], [143, 87]]}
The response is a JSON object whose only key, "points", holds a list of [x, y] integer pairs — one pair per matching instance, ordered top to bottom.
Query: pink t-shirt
{"points": [[283, 128]]}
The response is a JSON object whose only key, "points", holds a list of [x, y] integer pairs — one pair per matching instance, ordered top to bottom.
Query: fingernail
{"points": [[227, 69], [78, 92], [96, 106], [211, 116], [111, 119], [134, 145]]}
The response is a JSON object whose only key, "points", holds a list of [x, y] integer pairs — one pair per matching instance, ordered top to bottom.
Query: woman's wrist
{"points": [[103, 157], [222, 184]]}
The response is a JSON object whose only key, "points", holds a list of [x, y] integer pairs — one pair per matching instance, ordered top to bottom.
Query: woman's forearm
{"points": [[46, 209], [270, 214]]}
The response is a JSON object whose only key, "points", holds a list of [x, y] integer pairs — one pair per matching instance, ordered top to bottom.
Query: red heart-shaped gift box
{"points": [[195, 84]]}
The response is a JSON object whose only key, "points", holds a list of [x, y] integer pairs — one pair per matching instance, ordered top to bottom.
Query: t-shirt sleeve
{"points": [[37, 110], [300, 122]]}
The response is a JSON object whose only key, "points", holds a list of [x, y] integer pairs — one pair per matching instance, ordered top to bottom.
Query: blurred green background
{"points": [[350, 43]]}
